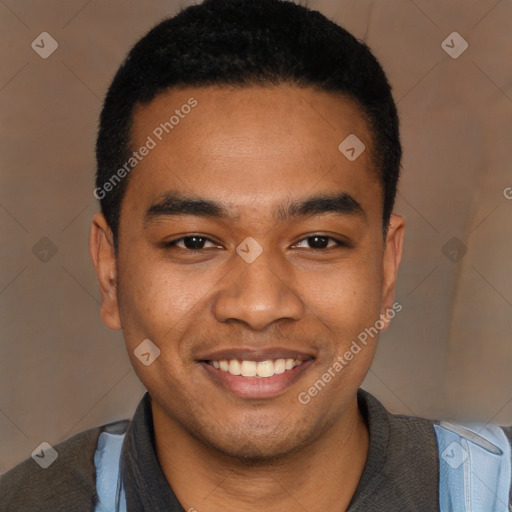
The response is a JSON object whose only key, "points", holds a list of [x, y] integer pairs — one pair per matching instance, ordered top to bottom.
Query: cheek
{"points": [[156, 298], [347, 299], [158, 305]]}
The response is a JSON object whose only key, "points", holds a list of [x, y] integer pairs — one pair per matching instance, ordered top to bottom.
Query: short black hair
{"points": [[245, 43]]}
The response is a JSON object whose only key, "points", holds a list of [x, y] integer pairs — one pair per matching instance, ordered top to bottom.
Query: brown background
{"points": [[447, 353]]}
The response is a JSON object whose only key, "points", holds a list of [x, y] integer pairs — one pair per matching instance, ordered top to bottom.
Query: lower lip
{"points": [[257, 387]]}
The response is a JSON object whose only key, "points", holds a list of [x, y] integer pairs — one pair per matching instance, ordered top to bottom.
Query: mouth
{"points": [[259, 369], [255, 377]]}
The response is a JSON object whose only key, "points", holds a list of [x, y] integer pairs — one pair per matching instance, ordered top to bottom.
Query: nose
{"points": [[257, 294]]}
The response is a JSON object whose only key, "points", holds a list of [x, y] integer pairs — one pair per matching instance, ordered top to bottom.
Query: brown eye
{"points": [[194, 242], [321, 242], [191, 243]]}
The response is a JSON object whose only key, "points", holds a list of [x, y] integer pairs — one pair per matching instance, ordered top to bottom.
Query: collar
{"points": [[400, 446], [145, 484]]}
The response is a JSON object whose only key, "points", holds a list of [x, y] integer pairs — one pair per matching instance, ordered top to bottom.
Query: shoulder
{"points": [[399, 432], [508, 432], [429, 460], [402, 466], [67, 483]]}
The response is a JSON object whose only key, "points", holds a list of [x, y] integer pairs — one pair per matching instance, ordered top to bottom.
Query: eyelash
{"points": [[339, 243]]}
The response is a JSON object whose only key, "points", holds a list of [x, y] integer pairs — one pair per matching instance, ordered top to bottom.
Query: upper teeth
{"points": [[255, 368]]}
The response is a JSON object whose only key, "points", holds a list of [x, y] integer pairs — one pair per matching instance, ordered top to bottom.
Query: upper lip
{"points": [[256, 354]]}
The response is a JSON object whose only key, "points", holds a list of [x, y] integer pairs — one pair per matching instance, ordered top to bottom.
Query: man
{"points": [[248, 157]]}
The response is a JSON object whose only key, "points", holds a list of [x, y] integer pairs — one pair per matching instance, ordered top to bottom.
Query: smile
{"points": [[261, 369], [250, 379]]}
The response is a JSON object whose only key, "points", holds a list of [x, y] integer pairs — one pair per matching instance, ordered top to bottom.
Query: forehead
{"points": [[250, 146]]}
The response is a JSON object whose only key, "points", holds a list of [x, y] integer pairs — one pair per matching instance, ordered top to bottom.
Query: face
{"points": [[249, 243]]}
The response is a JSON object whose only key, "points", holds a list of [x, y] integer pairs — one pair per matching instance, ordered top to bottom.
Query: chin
{"points": [[254, 448], [255, 454]]}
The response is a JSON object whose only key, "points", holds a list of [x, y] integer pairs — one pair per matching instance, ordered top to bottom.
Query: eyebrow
{"points": [[176, 204]]}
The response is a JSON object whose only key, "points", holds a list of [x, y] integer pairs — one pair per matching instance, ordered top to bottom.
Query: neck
{"points": [[325, 472]]}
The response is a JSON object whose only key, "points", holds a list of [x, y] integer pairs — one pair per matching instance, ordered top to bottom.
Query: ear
{"points": [[101, 250], [390, 263]]}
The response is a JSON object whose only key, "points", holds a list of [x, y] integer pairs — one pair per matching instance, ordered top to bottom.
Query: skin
{"points": [[252, 149]]}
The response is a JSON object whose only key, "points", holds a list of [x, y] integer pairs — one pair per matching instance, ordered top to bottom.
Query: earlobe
{"points": [[101, 250], [391, 261]]}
